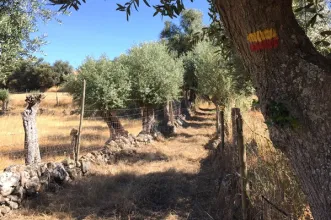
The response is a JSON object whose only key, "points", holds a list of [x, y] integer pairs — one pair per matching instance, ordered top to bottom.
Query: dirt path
{"points": [[159, 182]]}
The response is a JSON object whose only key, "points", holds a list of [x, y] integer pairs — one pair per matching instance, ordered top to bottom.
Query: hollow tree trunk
{"points": [[293, 86], [148, 119], [115, 126], [31, 145]]}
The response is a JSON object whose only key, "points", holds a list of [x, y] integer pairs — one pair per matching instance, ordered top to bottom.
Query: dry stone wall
{"points": [[17, 182]]}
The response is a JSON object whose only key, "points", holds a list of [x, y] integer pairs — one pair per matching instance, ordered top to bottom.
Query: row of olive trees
{"points": [[212, 71], [147, 75]]}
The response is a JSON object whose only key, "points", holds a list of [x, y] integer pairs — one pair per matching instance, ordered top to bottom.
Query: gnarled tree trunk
{"points": [[293, 85], [116, 128], [31, 145]]}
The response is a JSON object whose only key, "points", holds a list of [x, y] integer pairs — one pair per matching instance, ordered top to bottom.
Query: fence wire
{"points": [[56, 142], [274, 191]]}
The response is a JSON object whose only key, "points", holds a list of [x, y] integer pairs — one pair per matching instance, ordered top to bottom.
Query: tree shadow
{"points": [[207, 109], [205, 113], [197, 118], [199, 125], [182, 134], [134, 157], [122, 196]]}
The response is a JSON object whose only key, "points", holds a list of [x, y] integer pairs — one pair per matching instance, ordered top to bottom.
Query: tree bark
{"points": [[293, 86], [4, 106], [148, 119], [115, 126], [31, 145]]}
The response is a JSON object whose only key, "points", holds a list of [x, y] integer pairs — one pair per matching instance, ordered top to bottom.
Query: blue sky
{"points": [[97, 29]]}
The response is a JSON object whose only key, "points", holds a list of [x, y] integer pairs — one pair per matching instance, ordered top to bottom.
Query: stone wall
{"points": [[17, 182]]}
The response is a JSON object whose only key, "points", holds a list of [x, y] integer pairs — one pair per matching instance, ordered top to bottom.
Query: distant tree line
{"points": [[32, 74]]}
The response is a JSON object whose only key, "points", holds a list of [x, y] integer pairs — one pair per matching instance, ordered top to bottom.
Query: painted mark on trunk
{"points": [[263, 39]]}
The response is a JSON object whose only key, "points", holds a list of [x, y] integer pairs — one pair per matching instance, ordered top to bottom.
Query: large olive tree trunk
{"points": [[293, 85], [115, 127], [31, 145]]}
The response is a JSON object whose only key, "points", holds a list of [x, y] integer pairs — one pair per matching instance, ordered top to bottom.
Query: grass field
{"points": [[54, 128]]}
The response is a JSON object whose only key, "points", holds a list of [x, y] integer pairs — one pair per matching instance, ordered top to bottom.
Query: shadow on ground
{"points": [[131, 158], [158, 195], [123, 196]]}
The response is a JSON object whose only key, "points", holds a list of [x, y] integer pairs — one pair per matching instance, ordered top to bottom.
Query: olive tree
{"points": [[19, 18], [181, 39], [213, 75], [156, 77], [292, 80], [107, 88], [4, 98]]}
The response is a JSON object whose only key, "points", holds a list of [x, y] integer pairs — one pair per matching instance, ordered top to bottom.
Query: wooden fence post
{"points": [[234, 113], [80, 122], [222, 129], [218, 133], [74, 139], [239, 140]]}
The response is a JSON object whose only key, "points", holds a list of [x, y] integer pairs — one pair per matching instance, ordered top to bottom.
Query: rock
{"points": [[131, 138], [125, 140], [100, 158], [69, 163], [86, 165], [51, 166], [14, 168], [33, 170], [73, 173], [59, 174], [45, 177], [8, 182], [33, 186], [19, 192], [14, 198], [2, 200], [12, 205], [4, 209]]}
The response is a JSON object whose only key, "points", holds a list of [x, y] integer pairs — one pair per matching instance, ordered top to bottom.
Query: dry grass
{"points": [[53, 130], [269, 172], [174, 179], [158, 182]]}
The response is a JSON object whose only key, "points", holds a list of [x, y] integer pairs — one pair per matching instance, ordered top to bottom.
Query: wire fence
{"points": [[54, 130], [274, 192]]}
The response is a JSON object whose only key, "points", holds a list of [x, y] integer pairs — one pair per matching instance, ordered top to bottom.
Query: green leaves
{"points": [[315, 18], [18, 19], [326, 33], [322, 43], [155, 74], [107, 84], [4, 95]]}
